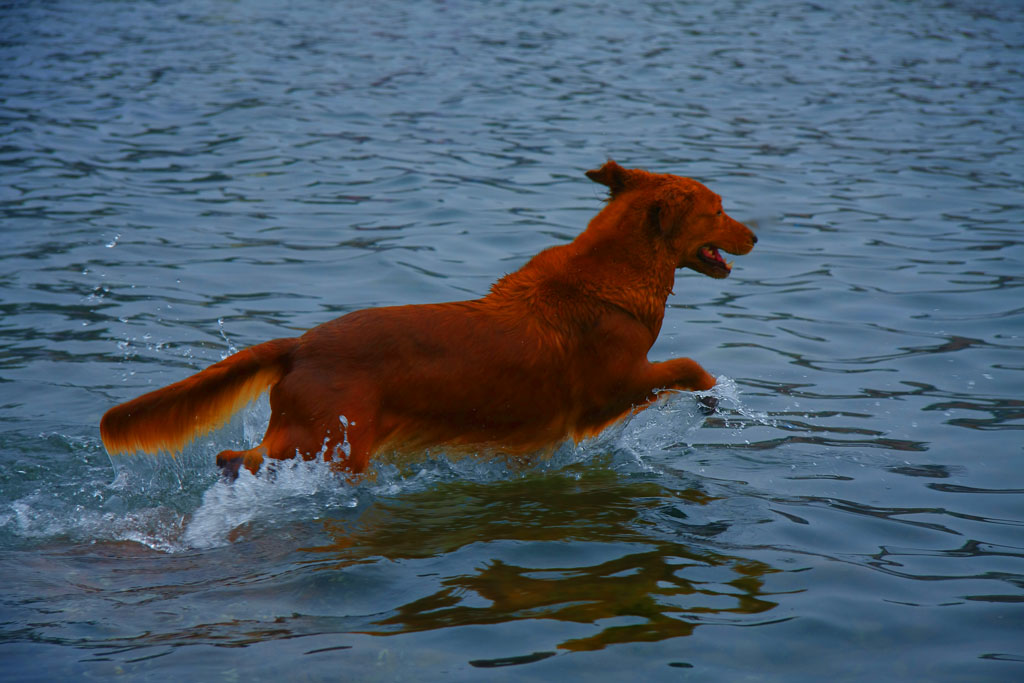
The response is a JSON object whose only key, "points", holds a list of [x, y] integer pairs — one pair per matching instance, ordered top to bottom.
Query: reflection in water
{"points": [[1005, 413], [650, 587], [662, 591]]}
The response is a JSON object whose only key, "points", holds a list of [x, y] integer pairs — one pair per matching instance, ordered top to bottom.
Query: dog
{"points": [[555, 351]]}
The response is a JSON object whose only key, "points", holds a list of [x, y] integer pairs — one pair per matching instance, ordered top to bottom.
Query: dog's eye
{"points": [[719, 213]]}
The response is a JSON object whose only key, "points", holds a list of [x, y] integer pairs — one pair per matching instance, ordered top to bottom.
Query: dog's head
{"points": [[680, 214]]}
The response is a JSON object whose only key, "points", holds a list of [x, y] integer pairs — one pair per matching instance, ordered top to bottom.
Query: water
{"points": [[184, 178]]}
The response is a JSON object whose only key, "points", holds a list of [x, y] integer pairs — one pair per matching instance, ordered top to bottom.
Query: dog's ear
{"points": [[612, 175], [668, 212], [654, 219]]}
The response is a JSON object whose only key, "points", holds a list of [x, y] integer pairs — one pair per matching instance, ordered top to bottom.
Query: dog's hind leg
{"points": [[283, 440], [349, 444], [230, 462]]}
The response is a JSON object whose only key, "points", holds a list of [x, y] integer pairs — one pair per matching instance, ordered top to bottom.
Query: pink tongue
{"points": [[713, 254]]}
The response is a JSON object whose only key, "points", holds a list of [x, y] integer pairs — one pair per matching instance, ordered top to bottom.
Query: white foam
{"points": [[293, 489], [301, 490], [173, 504], [159, 527]]}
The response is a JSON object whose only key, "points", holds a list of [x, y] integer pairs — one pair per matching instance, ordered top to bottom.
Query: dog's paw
{"points": [[707, 404], [229, 467]]}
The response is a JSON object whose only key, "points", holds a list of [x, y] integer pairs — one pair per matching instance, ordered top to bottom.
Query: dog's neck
{"points": [[600, 268], [614, 272]]}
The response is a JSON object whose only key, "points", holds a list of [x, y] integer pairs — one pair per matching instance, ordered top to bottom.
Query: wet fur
{"points": [[556, 350]]}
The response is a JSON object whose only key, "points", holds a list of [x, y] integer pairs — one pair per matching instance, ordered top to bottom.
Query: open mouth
{"points": [[709, 255]]}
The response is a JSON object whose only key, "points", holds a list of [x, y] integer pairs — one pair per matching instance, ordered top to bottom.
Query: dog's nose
{"points": [[755, 238]]}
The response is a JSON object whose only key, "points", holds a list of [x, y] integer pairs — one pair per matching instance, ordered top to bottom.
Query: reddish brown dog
{"points": [[556, 350]]}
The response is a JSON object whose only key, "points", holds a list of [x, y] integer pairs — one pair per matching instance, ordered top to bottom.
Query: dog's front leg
{"points": [[678, 373], [681, 373]]}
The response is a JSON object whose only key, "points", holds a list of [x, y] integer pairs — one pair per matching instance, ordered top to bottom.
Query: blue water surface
{"points": [[181, 179]]}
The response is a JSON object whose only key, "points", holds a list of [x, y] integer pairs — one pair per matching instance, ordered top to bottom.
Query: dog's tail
{"points": [[168, 419]]}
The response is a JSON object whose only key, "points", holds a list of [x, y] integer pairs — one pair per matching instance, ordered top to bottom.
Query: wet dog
{"points": [[557, 350]]}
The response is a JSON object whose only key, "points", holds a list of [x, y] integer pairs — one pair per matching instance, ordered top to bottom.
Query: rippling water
{"points": [[184, 178]]}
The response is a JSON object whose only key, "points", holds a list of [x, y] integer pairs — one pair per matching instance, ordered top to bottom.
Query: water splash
{"points": [[232, 349], [734, 411], [255, 419], [291, 490], [303, 490], [173, 504], [39, 517]]}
